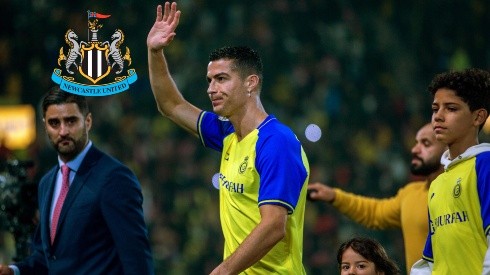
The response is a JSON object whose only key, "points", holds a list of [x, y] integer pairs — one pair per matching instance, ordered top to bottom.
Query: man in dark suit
{"points": [[90, 205]]}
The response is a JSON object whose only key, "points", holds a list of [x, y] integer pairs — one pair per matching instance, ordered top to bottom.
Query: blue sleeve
{"points": [[212, 130], [282, 171], [483, 177], [122, 207], [427, 254], [36, 262]]}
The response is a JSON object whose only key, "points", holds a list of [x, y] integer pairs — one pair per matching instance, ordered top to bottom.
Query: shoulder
{"points": [[212, 120], [275, 131], [277, 142], [483, 156], [105, 162], [482, 164], [49, 174], [414, 186]]}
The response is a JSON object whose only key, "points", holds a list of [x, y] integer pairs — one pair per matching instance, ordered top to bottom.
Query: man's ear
{"points": [[252, 82], [481, 116], [88, 121], [44, 124]]}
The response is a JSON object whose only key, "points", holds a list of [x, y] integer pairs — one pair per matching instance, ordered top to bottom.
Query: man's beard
{"points": [[71, 153], [424, 169]]}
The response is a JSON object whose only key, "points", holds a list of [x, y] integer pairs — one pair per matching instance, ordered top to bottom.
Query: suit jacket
{"points": [[101, 229]]}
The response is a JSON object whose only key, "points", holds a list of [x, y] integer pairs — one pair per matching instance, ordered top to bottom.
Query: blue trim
{"points": [[288, 207]]}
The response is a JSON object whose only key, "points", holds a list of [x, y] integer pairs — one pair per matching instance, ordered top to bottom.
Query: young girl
{"points": [[365, 256]]}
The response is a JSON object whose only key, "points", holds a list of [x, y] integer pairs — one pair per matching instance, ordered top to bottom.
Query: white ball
{"points": [[313, 133], [215, 180]]}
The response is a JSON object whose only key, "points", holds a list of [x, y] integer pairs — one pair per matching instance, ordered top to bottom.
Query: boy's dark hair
{"points": [[246, 60], [471, 85], [57, 96], [373, 251]]}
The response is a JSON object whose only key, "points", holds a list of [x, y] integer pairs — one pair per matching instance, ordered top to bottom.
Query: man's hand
{"points": [[162, 32], [319, 191], [5, 270]]}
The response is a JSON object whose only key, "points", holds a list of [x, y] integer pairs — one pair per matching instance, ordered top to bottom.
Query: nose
{"points": [[211, 88], [210, 91], [437, 115], [64, 129], [416, 148], [352, 270]]}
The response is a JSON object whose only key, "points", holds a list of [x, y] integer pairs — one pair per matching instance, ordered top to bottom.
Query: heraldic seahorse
{"points": [[115, 52], [73, 53]]}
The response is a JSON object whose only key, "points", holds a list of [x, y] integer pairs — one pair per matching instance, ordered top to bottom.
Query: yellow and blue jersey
{"points": [[268, 166], [459, 213]]}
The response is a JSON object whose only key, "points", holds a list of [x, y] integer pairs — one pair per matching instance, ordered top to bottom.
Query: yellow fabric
{"points": [[239, 191], [406, 210], [458, 239]]}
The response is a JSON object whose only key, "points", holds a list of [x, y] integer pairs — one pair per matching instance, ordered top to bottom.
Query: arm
{"points": [[169, 100], [483, 170], [121, 206], [370, 212], [270, 230], [35, 263]]}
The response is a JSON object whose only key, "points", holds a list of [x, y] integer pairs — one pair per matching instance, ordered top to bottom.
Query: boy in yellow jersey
{"points": [[264, 170], [459, 206], [407, 209]]}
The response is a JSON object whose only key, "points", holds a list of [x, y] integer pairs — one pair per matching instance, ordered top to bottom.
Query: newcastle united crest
{"points": [[94, 68]]}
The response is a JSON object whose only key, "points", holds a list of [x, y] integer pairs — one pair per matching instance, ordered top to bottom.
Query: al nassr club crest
{"points": [[94, 61]]}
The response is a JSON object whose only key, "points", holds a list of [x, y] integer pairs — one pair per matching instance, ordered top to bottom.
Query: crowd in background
{"points": [[357, 69]]}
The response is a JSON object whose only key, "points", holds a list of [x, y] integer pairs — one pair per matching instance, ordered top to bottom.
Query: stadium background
{"points": [[358, 69]]}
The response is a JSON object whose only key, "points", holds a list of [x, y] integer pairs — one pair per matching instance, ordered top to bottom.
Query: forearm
{"points": [[163, 86], [169, 100], [121, 206], [370, 212], [260, 241]]}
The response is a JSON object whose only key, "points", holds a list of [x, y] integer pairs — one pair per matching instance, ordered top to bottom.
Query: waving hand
{"points": [[163, 31]]}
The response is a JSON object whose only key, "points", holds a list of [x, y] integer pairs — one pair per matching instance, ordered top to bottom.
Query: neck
{"points": [[248, 118], [248, 123], [460, 146]]}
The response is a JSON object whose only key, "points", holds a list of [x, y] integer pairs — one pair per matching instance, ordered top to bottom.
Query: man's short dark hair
{"points": [[246, 60], [471, 85], [57, 96]]}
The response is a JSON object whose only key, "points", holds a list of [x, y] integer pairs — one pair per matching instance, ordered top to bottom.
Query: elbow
{"points": [[163, 111], [278, 234]]}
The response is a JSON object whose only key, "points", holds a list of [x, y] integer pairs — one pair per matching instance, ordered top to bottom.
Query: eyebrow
{"points": [[217, 75], [446, 103], [62, 118], [357, 262]]}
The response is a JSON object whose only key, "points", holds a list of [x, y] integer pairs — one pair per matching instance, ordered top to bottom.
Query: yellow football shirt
{"points": [[268, 166]]}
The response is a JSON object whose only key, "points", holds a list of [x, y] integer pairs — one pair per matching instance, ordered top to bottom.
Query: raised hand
{"points": [[162, 32]]}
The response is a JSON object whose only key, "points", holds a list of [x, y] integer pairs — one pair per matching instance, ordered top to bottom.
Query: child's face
{"points": [[453, 122], [355, 263]]}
